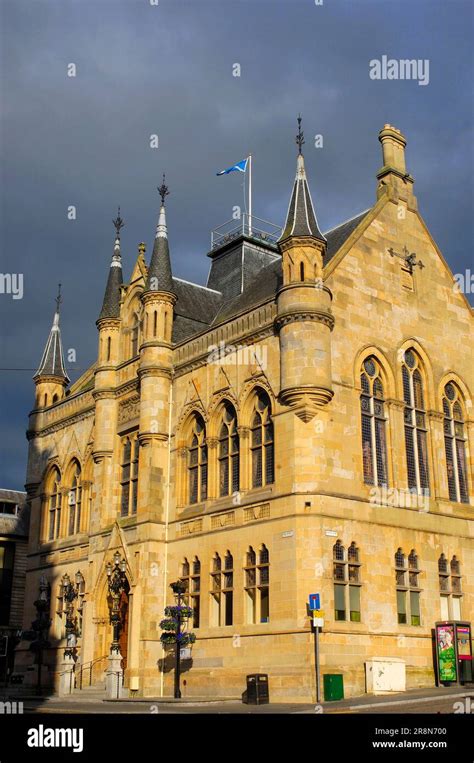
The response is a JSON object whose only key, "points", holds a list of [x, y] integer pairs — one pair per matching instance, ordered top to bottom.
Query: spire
{"points": [[301, 218], [159, 272], [111, 303], [52, 362]]}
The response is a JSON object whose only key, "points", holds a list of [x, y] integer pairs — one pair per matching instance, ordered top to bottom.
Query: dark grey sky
{"points": [[167, 69]]}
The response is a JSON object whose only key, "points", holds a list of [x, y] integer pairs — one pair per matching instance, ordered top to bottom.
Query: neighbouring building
{"points": [[303, 423], [14, 524]]}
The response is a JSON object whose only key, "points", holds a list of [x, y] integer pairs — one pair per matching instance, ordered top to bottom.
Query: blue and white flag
{"points": [[239, 167]]}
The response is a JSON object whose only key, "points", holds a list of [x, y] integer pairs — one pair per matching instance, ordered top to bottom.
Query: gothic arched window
{"points": [[415, 424], [454, 443], [374, 445], [262, 446], [228, 452], [197, 462], [129, 475], [75, 501], [54, 508]]}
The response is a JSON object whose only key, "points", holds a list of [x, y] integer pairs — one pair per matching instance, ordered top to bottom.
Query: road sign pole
{"points": [[316, 661]]}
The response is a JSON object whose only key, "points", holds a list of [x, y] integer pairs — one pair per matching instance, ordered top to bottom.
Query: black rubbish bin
{"points": [[257, 689]]}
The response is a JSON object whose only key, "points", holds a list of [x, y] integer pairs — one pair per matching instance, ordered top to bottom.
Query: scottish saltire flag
{"points": [[239, 167]]}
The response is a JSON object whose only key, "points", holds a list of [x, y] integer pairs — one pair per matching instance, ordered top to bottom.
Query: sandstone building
{"points": [[303, 423]]}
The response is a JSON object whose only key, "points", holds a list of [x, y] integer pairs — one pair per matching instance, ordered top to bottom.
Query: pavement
{"points": [[415, 701]]}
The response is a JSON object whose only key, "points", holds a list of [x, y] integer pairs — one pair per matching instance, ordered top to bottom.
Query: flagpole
{"points": [[250, 194]]}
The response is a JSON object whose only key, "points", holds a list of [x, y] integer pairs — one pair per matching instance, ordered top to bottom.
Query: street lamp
{"points": [[117, 583], [179, 589], [70, 592], [40, 626]]}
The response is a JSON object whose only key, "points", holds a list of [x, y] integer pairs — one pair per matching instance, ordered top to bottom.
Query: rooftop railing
{"points": [[246, 225]]}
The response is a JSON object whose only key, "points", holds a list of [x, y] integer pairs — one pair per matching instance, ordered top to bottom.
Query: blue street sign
{"points": [[314, 601]]}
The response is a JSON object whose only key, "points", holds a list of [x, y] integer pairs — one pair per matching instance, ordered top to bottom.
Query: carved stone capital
{"points": [[397, 405], [435, 415], [243, 432], [212, 442]]}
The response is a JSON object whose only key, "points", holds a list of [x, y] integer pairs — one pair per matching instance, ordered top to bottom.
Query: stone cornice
{"points": [[312, 285], [159, 297], [319, 316], [108, 323], [156, 343], [187, 366], [165, 373], [104, 394], [62, 424]]}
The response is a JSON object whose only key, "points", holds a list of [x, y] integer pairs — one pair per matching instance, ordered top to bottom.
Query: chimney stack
{"points": [[393, 174]]}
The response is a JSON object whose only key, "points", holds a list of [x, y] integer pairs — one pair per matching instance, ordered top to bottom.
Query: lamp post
{"points": [[117, 583], [179, 589], [71, 592], [40, 626]]}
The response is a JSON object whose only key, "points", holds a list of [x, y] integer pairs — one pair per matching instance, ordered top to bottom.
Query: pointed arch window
{"points": [[416, 429], [374, 441], [454, 443], [262, 444], [197, 462], [229, 466], [129, 475], [75, 501], [54, 518], [191, 577], [347, 582], [257, 585], [407, 588], [450, 589], [222, 590]]}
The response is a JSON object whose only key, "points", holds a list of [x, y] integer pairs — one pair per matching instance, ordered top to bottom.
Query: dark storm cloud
{"points": [[167, 69]]}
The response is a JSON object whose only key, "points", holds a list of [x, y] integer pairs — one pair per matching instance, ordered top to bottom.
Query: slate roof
{"points": [[301, 218], [336, 237], [159, 272], [111, 303], [195, 308], [52, 362]]}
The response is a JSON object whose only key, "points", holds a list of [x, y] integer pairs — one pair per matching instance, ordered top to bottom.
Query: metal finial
{"points": [[300, 137], [163, 190], [118, 223], [58, 299]]}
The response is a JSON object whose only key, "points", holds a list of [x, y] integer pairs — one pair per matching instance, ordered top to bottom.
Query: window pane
{"points": [[381, 452], [410, 453], [367, 456], [423, 459], [257, 468], [462, 471], [229, 598], [443, 600], [339, 602], [195, 603], [354, 603], [264, 605], [251, 606], [402, 606], [415, 607], [456, 607]]}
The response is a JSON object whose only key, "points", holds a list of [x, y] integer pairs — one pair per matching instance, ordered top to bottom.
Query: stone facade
{"points": [[321, 308]]}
